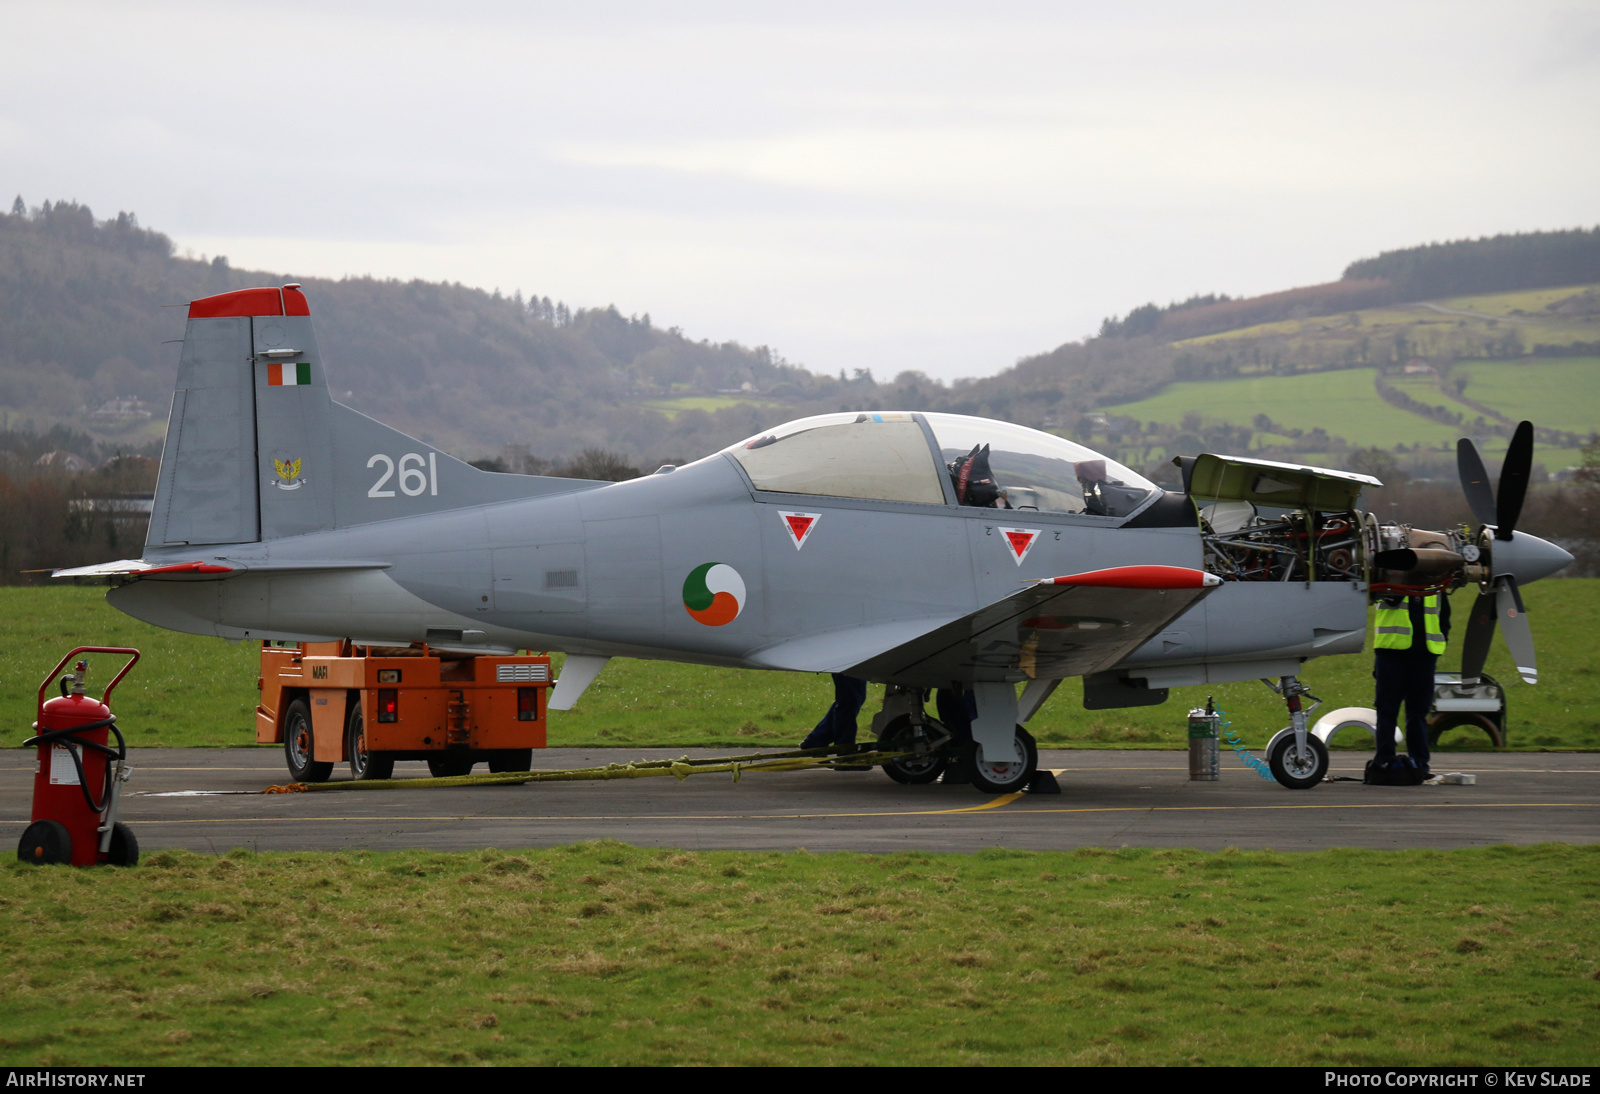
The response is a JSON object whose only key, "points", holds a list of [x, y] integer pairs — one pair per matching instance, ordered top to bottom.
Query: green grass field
{"points": [[1507, 304], [1559, 392], [1343, 402], [673, 407], [190, 690], [606, 954]]}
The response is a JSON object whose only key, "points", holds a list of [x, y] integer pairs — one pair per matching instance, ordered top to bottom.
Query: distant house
{"points": [[1417, 365], [124, 408], [62, 460], [136, 464], [123, 507]]}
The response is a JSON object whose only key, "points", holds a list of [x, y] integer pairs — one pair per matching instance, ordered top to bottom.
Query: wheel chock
{"points": [[955, 775], [1043, 782]]}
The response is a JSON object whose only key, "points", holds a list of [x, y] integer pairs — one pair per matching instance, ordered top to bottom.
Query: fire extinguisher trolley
{"points": [[79, 776]]}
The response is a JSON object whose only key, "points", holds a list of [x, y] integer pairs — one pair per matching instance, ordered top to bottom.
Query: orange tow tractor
{"points": [[372, 705]]}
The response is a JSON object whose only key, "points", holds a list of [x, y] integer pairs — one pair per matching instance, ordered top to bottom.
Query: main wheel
{"points": [[300, 746], [511, 759], [363, 764], [447, 766], [922, 768], [1298, 771], [1007, 775], [45, 843], [124, 850]]}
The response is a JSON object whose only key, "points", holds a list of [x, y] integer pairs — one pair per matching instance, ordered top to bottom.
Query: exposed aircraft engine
{"points": [[1266, 521], [1300, 546], [1408, 561]]}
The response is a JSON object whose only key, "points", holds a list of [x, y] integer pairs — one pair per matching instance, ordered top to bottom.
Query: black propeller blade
{"points": [[1475, 481], [1514, 481], [1499, 603], [1514, 625], [1479, 636]]}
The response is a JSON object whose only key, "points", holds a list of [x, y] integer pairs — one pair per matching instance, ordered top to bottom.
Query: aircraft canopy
{"points": [[899, 456]]}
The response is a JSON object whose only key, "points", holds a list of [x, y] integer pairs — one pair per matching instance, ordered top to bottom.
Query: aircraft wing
{"points": [[1059, 627]]}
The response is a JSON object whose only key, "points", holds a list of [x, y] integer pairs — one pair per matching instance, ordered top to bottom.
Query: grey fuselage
{"points": [[601, 571]]}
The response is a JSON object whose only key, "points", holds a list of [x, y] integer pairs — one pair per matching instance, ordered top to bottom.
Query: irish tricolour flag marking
{"points": [[288, 373], [799, 526], [1020, 541], [713, 594]]}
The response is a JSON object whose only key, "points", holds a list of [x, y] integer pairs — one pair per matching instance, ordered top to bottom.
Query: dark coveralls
{"points": [[1406, 676], [838, 726]]}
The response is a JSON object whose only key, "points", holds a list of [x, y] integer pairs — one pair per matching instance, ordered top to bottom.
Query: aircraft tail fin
{"points": [[257, 449]]}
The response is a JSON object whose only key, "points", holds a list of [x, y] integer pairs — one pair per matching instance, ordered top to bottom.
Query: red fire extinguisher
{"points": [[79, 775]]}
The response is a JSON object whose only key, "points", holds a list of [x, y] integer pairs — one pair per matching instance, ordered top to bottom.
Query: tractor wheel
{"points": [[300, 746]]}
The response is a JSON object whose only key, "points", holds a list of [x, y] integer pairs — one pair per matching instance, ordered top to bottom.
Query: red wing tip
{"points": [[187, 568], [1140, 577]]}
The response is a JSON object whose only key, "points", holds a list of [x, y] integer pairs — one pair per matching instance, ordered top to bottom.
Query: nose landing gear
{"points": [[1297, 757]]}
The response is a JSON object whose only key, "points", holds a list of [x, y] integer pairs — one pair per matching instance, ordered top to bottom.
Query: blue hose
{"points": [[1244, 754]]}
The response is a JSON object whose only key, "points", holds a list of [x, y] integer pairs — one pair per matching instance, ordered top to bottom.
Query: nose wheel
{"points": [[1298, 769]]}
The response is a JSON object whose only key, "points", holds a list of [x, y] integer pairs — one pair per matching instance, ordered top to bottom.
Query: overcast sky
{"points": [[944, 187]]}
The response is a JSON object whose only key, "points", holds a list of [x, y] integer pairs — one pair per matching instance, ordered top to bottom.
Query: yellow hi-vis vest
{"points": [[1392, 630]]}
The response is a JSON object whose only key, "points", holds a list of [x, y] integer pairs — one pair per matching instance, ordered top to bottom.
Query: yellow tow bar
{"points": [[680, 769]]}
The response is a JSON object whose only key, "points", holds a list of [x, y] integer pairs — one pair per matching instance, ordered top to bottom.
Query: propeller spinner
{"points": [[1509, 558]]}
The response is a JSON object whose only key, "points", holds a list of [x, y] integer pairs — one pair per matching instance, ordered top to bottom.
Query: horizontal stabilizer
{"points": [[214, 570]]}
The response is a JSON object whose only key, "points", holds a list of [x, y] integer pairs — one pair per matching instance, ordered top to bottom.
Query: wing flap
{"points": [[837, 651]]}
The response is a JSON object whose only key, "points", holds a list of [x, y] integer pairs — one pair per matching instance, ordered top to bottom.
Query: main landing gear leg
{"points": [[904, 726], [1298, 759]]}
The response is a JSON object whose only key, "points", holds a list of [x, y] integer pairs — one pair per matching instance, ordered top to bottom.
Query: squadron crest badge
{"points": [[288, 474]]}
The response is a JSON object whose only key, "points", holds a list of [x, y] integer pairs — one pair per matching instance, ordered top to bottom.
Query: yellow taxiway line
{"points": [[512, 817]]}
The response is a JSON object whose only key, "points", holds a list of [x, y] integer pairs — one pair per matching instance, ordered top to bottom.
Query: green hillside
{"points": [[1509, 323], [1408, 379], [1559, 393], [1563, 393], [1341, 403]]}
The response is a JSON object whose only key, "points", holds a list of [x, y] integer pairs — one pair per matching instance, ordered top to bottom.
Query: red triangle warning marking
{"points": [[799, 526], [1020, 540]]}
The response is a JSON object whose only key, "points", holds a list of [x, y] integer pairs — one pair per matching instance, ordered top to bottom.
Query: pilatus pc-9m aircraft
{"points": [[920, 551]]}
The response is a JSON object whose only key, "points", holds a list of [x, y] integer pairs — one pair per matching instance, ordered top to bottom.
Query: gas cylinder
{"points": [[77, 777]]}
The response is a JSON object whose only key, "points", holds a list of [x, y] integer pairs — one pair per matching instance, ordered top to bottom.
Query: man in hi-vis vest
{"points": [[1409, 634]]}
